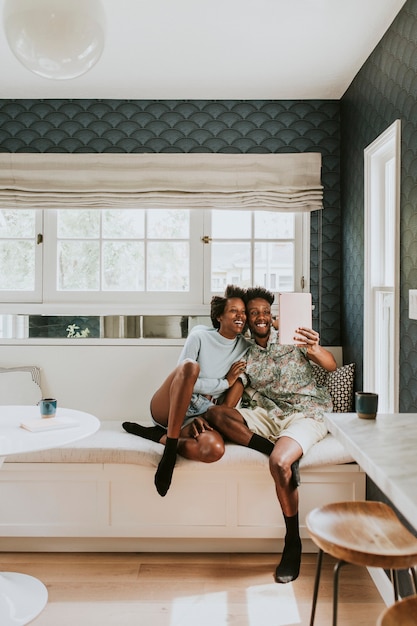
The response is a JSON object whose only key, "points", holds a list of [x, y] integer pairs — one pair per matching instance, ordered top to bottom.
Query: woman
{"points": [[209, 365]]}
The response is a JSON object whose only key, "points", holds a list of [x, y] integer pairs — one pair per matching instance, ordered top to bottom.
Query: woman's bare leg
{"points": [[170, 402], [168, 407]]}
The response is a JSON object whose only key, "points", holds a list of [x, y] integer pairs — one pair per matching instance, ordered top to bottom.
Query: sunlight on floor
{"points": [[263, 601], [279, 601], [205, 610]]}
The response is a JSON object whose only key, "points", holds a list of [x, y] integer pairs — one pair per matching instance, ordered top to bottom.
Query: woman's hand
{"points": [[235, 371], [196, 427]]}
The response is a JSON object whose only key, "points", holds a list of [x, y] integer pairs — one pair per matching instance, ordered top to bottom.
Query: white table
{"points": [[385, 448], [23, 597]]}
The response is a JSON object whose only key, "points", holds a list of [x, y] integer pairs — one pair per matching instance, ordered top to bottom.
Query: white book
{"points": [[295, 311], [42, 424]]}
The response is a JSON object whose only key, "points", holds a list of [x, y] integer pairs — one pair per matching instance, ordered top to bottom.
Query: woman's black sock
{"points": [[154, 433], [166, 466], [289, 567]]}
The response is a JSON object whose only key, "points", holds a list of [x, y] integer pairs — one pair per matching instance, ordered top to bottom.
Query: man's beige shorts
{"points": [[305, 430]]}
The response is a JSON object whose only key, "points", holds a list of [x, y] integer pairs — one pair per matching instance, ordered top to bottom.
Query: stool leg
{"points": [[336, 571], [394, 578], [414, 578], [316, 586]]}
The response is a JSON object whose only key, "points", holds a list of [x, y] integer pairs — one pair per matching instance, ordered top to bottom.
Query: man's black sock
{"points": [[154, 433], [261, 444], [166, 466], [295, 477], [289, 567]]}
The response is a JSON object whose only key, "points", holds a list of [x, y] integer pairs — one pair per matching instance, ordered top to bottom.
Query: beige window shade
{"points": [[278, 182]]}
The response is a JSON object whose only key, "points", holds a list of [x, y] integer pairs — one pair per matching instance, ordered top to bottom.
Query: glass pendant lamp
{"points": [[56, 39]]}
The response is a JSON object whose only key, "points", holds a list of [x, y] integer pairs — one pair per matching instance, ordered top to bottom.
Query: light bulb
{"points": [[57, 39]]}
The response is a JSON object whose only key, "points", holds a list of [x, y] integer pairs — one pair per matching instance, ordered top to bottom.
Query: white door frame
{"points": [[381, 267]]}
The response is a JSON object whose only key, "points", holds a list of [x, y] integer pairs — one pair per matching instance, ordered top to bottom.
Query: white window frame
{"points": [[195, 301]]}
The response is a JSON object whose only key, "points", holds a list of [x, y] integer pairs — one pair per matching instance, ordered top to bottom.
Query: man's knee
{"points": [[211, 446], [280, 468]]}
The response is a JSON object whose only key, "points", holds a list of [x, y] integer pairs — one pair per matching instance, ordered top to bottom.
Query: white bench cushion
{"points": [[111, 444]]}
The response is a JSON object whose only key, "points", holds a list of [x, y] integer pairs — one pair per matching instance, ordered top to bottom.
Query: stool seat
{"points": [[363, 533], [402, 613]]}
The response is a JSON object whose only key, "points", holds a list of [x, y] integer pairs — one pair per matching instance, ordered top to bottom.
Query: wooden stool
{"points": [[362, 533], [402, 613]]}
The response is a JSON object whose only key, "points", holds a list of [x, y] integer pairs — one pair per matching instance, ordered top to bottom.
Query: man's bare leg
{"points": [[230, 423], [285, 453], [284, 456]]}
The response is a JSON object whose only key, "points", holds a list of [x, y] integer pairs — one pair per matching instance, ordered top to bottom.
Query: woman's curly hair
{"points": [[218, 303]]}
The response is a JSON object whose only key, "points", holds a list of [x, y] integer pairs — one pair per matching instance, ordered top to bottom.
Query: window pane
{"points": [[17, 223], [78, 223], [124, 223], [168, 224], [231, 224], [270, 225], [17, 249], [230, 264], [17, 265], [78, 265], [123, 266], [168, 266], [274, 266]]}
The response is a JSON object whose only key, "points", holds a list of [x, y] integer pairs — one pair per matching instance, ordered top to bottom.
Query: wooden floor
{"points": [[156, 589]]}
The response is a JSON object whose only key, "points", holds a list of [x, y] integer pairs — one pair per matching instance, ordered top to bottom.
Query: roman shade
{"points": [[277, 182]]}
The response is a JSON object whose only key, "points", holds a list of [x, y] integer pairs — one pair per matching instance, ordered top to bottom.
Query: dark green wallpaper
{"points": [[384, 90], [202, 126]]}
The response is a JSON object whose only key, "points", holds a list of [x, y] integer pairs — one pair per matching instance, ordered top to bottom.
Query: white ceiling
{"points": [[219, 49]]}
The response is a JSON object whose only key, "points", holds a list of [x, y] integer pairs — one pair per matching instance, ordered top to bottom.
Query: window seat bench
{"points": [[98, 494]]}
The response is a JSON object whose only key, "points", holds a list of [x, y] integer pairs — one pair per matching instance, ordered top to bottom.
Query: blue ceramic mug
{"points": [[366, 404], [47, 407]]}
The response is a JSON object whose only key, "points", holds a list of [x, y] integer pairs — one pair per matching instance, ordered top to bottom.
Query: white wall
{"points": [[112, 382]]}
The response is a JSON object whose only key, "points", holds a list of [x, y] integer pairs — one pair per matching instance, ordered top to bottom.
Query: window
{"points": [[255, 248], [20, 255], [147, 257]]}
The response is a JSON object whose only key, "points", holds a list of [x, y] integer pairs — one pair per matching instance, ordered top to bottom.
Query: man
{"points": [[209, 364], [287, 411]]}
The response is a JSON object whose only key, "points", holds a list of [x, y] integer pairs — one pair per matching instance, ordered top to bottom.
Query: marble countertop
{"points": [[386, 449]]}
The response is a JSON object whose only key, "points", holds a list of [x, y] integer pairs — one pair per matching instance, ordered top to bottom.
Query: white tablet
{"points": [[295, 310]]}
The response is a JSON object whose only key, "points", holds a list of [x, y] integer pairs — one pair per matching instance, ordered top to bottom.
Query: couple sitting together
{"points": [[197, 407]]}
